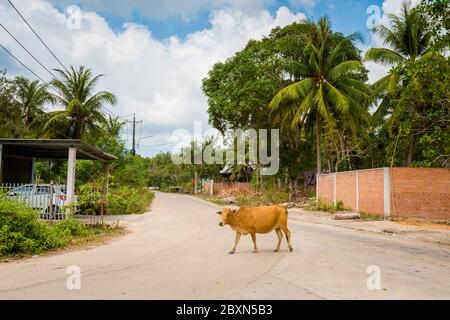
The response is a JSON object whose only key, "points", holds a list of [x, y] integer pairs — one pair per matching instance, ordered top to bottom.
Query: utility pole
{"points": [[133, 148]]}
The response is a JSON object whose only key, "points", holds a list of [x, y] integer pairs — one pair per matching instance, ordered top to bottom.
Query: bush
{"points": [[121, 199], [128, 200], [325, 206], [22, 232]]}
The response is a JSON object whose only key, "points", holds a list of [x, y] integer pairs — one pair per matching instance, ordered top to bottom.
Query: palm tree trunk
{"points": [[318, 133]]}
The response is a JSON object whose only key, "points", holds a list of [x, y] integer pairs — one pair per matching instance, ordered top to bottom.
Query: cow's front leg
{"points": [[238, 237], [254, 242]]}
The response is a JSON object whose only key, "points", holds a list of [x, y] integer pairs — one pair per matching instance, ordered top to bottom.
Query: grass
{"points": [[325, 206], [371, 217]]}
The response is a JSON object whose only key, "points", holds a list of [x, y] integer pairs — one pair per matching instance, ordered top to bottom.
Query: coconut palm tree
{"points": [[408, 37], [328, 83], [31, 97], [82, 117], [113, 126]]}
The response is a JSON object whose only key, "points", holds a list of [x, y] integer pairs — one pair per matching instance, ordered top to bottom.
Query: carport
{"points": [[17, 157]]}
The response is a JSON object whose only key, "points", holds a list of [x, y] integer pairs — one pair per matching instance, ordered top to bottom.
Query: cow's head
{"points": [[225, 215]]}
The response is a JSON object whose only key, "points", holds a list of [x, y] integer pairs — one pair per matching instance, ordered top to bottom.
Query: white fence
{"points": [[49, 199]]}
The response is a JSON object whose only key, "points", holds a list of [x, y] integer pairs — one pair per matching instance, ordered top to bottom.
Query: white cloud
{"points": [[162, 9], [158, 80]]}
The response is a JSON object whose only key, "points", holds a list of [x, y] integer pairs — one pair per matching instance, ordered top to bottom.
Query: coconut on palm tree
{"points": [[328, 83], [82, 117]]}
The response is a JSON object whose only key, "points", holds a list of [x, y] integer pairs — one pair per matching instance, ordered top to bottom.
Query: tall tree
{"points": [[408, 37], [329, 82], [31, 96], [82, 117]]}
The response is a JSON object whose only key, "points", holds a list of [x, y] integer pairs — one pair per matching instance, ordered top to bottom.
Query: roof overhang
{"points": [[52, 149]]}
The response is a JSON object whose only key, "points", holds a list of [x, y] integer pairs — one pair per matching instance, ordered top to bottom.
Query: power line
{"points": [[12, 36], [40, 39], [12, 55]]}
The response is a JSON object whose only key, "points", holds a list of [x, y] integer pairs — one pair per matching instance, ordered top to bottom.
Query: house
{"points": [[17, 157]]}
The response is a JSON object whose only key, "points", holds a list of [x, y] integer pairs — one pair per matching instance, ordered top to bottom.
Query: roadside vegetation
{"points": [[22, 233]]}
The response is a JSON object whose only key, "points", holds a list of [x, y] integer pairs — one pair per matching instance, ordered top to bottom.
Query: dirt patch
{"points": [[425, 225]]}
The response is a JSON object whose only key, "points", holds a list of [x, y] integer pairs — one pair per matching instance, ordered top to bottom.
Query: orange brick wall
{"points": [[326, 185], [346, 189], [371, 191], [414, 192], [421, 193]]}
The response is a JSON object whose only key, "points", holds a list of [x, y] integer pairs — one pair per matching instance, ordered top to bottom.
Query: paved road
{"points": [[178, 251]]}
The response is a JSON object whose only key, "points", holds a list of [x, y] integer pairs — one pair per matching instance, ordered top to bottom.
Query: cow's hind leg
{"points": [[238, 237], [280, 237], [288, 237], [254, 242]]}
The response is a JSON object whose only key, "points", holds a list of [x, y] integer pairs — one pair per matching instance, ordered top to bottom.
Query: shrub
{"points": [[121, 199], [128, 200], [325, 206], [22, 232]]}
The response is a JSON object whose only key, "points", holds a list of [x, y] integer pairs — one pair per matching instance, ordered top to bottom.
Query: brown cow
{"points": [[257, 220]]}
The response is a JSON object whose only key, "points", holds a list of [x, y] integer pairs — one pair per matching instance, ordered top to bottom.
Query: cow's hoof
{"points": [[291, 249], [276, 250], [255, 251], [231, 252]]}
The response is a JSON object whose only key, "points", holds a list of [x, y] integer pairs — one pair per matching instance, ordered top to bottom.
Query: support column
{"points": [[71, 165], [106, 185], [317, 186], [334, 189], [357, 191], [387, 193]]}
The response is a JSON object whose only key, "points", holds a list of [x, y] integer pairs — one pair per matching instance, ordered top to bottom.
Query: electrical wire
{"points": [[36, 34]]}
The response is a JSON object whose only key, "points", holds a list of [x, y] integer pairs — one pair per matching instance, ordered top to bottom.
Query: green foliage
{"points": [[438, 19], [82, 117], [419, 125], [121, 199], [128, 200], [325, 206], [22, 232]]}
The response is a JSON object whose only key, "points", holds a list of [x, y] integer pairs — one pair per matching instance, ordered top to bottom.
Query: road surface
{"points": [[178, 251]]}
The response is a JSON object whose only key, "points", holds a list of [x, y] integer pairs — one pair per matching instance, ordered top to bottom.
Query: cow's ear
{"points": [[219, 213]]}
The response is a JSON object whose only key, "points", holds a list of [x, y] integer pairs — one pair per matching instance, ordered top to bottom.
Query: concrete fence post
{"points": [[317, 186], [334, 189], [357, 190], [387, 192]]}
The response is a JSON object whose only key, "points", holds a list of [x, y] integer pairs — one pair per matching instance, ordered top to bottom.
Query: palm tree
{"points": [[408, 38], [328, 83], [31, 97], [82, 117], [113, 126]]}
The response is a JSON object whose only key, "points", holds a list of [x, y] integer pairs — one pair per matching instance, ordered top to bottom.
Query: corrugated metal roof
{"points": [[52, 149]]}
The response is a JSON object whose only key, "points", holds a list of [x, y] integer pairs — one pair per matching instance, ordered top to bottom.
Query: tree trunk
{"points": [[318, 133], [411, 151]]}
